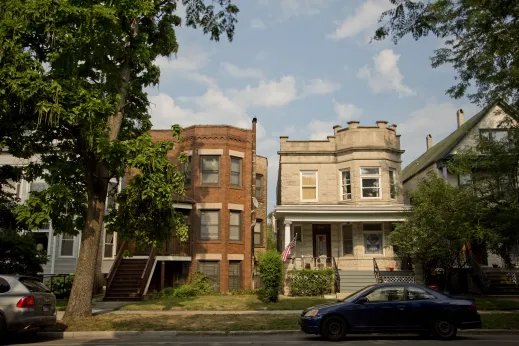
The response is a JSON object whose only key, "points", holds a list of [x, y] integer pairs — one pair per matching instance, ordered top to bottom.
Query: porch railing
{"points": [[175, 247], [313, 263], [376, 271], [337, 281]]}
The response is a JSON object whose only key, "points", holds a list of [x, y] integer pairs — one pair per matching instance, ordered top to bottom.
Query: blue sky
{"points": [[302, 66]]}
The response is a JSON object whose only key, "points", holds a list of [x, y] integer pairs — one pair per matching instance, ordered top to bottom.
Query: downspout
{"points": [[253, 193]]}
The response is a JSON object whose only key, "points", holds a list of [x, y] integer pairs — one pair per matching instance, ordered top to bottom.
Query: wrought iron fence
{"points": [[61, 284]]}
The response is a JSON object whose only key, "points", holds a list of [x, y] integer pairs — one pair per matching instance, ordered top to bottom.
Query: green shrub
{"points": [[271, 274], [311, 283], [202, 284], [61, 285], [248, 292]]}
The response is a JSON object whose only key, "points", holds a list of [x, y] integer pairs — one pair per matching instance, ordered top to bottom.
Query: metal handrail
{"points": [[147, 269], [376, 271], [480, 273], [337, 276]]}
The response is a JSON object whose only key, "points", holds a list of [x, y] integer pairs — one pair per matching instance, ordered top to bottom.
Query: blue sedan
{"points": [[392, 308]]}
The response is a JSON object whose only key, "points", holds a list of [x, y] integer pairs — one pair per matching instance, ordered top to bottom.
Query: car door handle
{"points": [[401, 307]]}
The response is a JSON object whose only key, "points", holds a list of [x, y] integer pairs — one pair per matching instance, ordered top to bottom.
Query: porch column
{"points": [[445, 173], [287, 233], [162, 274]]}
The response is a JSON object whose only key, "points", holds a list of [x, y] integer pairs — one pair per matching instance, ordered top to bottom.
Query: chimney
{"points": [[461, 117], [336, 129], [428, 140]]}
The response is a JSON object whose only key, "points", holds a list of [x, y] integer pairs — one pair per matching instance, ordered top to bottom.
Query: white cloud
{"points": [[302, 7], [364, 20], [257, 24], [190, 57], [187, 64], [238, 72], [385, 76], [320, 87], [267, 94], [347, 111], [437, 119], [321, 129]]}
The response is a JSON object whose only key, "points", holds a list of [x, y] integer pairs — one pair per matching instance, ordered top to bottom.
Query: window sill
{"points": [[210, 185], [235, 187], [308, 201], [209, 241], [236, 242], [66, 257]]}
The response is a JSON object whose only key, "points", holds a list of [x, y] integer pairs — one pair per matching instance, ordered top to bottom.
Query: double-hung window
{"points": [[370, 182], [346, 184], [309, 186]]}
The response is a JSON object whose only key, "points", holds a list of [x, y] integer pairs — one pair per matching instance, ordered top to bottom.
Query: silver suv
{"points": [[26, 304]]}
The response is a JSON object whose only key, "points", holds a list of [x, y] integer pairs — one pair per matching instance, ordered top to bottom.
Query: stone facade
{"points": [[342, 195]]}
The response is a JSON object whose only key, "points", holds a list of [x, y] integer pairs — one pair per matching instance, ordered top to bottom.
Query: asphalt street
{"points": [[273, 340]]}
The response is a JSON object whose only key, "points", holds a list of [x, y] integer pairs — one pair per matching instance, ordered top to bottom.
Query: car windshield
{"points": [[33, 285], [357, 294]]}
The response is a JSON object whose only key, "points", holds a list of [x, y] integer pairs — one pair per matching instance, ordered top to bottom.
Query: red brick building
{"points": [[225, 201]]}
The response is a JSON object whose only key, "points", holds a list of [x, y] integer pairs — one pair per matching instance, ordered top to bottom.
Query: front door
{"points": [[322, 240]]}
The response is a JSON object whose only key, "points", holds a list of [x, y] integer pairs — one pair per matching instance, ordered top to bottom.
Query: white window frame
{"points": [[316, 174], [370, 176], [394, 185], [341, 186], [381, 232], [293, 233], [352, 241], [60, 244], [114, 244]]}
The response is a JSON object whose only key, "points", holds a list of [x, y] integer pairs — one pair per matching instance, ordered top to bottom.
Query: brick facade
{"points": [[224, 142]]}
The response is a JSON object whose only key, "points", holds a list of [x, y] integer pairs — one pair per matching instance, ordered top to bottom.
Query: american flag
{"points": [[288, 249]]}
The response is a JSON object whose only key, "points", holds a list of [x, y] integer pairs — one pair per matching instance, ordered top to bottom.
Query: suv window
{"points": [[34, 285], [4, 286]]}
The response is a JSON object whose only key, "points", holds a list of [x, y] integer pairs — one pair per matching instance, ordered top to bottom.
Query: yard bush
{"points": [[271, 274], [311, 283], [61, 285], [200, 285]]}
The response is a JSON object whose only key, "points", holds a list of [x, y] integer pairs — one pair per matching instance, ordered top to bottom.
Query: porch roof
{"points": [[341, 213]]}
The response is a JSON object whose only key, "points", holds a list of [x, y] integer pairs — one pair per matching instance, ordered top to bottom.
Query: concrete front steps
{"points": [[354, 280], [500, 283]]}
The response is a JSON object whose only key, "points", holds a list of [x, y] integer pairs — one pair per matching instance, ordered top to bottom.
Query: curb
{"points": [[169, 334]]}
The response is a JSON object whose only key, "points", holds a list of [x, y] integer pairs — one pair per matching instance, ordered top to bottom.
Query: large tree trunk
{"points": [[80, 302]]}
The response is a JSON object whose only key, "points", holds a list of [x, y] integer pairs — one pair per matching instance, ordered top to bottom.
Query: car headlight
{"points": [[312, 313]]}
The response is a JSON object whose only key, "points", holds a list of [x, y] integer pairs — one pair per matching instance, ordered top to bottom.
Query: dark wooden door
{"points": [[322, 240]]}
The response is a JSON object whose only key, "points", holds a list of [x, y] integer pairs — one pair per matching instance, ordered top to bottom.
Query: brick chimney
{"points": [[461, 117], [428, 140]]}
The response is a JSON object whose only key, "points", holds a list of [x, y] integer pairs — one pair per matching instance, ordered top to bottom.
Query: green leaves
{"points": [[480, 37], [441, 221]]}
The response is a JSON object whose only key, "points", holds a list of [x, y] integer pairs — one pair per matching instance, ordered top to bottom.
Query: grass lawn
{"points": [[224, 303], [492, 303], [61, 304], [500, 321], [188, 323], [224, 323]]}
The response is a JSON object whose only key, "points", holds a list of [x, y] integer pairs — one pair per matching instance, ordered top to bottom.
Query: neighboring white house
{"points": [[436, 157], [62, 249]]}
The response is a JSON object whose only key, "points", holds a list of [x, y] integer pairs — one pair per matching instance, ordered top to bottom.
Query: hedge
{"points": [[271, 274], [311, 283]]}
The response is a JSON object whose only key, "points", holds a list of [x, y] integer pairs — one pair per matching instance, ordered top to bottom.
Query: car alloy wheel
{"points": [[334, 328], [445, 329]]}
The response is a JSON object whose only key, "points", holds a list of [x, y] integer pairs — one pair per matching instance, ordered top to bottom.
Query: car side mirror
{"points": [[362, 300]]}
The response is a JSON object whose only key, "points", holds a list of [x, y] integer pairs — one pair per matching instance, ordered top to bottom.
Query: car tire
{"points": [[334, 328], [444, 329]]}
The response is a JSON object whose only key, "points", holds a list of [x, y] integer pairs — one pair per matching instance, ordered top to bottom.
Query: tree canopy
{"points": [[481, 39], [72, 99], [441, 221]]}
